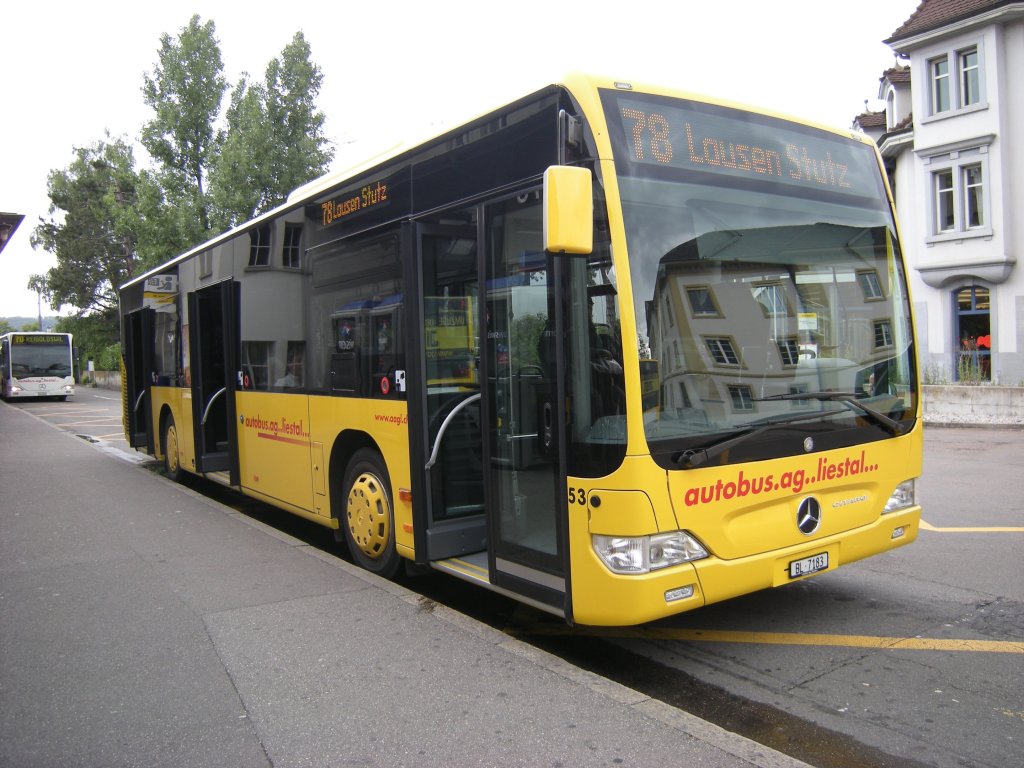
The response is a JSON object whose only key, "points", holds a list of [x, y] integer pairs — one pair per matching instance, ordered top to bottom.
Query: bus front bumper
{"points": [[601, 598]]}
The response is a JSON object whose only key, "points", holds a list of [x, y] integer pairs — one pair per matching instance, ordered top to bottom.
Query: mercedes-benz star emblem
{"points": [[808, 516]]}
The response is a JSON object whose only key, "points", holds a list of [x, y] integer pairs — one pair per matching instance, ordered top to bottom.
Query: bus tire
{"points": [[169, 445], [368, 518]]}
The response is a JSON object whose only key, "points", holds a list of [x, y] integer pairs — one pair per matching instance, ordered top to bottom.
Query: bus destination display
{"points": [[718, 140], [49, 338]]}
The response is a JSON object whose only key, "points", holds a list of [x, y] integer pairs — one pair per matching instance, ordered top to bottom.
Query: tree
{"points": [[293, 83], [185, 91], [274, 140], [95, 237], [37, 284]]}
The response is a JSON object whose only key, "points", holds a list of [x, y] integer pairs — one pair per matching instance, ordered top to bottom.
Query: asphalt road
{"points": [[913, 657]]}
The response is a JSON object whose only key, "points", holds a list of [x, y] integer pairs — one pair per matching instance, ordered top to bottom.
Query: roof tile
{"points": [[931, 14]]}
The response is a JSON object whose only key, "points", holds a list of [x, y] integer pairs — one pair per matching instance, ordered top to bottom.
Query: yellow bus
{"points": [[616, 351]]}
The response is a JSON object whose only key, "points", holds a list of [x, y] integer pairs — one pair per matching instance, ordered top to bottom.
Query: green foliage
{"points": [[185, 91], [274, 141], [109, 223], [96, 236], [6, 327], [94, 333], [525, 340], [108, 358], [969, 370]]}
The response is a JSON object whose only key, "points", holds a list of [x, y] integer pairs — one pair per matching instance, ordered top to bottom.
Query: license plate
{"points": [[808, 565]]}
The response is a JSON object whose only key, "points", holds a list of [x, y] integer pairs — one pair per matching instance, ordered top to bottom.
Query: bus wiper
{"points": [[892, 426], [692, 458]]}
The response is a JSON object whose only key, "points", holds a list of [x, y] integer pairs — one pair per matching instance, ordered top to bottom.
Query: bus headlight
{"points": [[904, 496], [642, 554]]}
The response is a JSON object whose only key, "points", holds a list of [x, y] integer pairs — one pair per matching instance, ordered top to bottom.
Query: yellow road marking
{"points": [[994, 529], [784, 638]]}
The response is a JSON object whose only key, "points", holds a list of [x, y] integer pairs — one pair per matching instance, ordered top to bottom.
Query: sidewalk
{"points": [[142, 624]]}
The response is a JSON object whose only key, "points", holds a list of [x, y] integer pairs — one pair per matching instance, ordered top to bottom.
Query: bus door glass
{"points": [[215, 345], [139, 371], [487, 423], [449, 427], [522, 453]]}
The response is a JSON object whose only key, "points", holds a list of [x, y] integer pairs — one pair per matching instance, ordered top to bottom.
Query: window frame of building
{"points": [[969, 76], [956, 81], [939, 85], [954, 190], [973, 195], [259, 246], [291, 246], [205, 262], [870, 285], [771, 297], [708, 308], [883, 338], [723, 351], [789, 351], [256, 356], [797, 389], [741, 396]]}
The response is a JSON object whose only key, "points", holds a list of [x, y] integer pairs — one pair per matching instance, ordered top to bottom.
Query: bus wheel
{"points": [[169, 443], [369, 521]]}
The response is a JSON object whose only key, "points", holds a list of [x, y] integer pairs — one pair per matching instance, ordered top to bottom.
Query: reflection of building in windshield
{"points": [[773, 311]]}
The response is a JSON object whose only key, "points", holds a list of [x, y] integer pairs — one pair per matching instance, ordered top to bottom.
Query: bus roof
{"points": [[579, 85]]}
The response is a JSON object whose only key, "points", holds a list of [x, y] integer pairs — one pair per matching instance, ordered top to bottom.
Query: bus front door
{"points": [[139, 342], [214, 353], [484, 416]]}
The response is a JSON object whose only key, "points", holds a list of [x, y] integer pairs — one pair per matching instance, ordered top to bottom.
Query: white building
{"points": [[952, 136]]}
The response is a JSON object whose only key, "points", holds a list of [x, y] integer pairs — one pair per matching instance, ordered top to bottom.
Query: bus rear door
{"points": [[215, 345], [139, 367]]}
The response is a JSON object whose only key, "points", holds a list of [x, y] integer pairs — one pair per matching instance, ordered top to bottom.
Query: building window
{"points": [[939, 69], [970, 79], [955, 81], [959, 194], [974, 207], [945, 219], [259, 246], [291, 257], [206, 264], [870, 285], [772, 299], [702, 303], [974, 332], [883, 334], [722, 350], [789, 351], [256, 365], [799, 389], [742, 397]]}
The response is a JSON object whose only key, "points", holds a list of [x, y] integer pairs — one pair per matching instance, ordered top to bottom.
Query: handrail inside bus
{"points": [[138, 400], [209, 405], [444, 426]]}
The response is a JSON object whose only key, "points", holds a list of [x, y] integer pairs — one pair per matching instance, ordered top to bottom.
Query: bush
{"points": [[108, 358]]}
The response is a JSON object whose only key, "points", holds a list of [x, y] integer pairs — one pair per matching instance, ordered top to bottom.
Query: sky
{"points": [[72, 71]]}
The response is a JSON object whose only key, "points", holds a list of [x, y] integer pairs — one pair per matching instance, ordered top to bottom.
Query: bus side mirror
{"points": [[568, 210]]}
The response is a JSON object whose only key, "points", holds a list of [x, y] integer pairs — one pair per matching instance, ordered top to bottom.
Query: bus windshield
{"points": [[765, 266], [38, 356]]}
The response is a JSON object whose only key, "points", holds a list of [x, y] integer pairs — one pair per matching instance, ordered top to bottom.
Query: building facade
{"points": [[952, 138]]}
